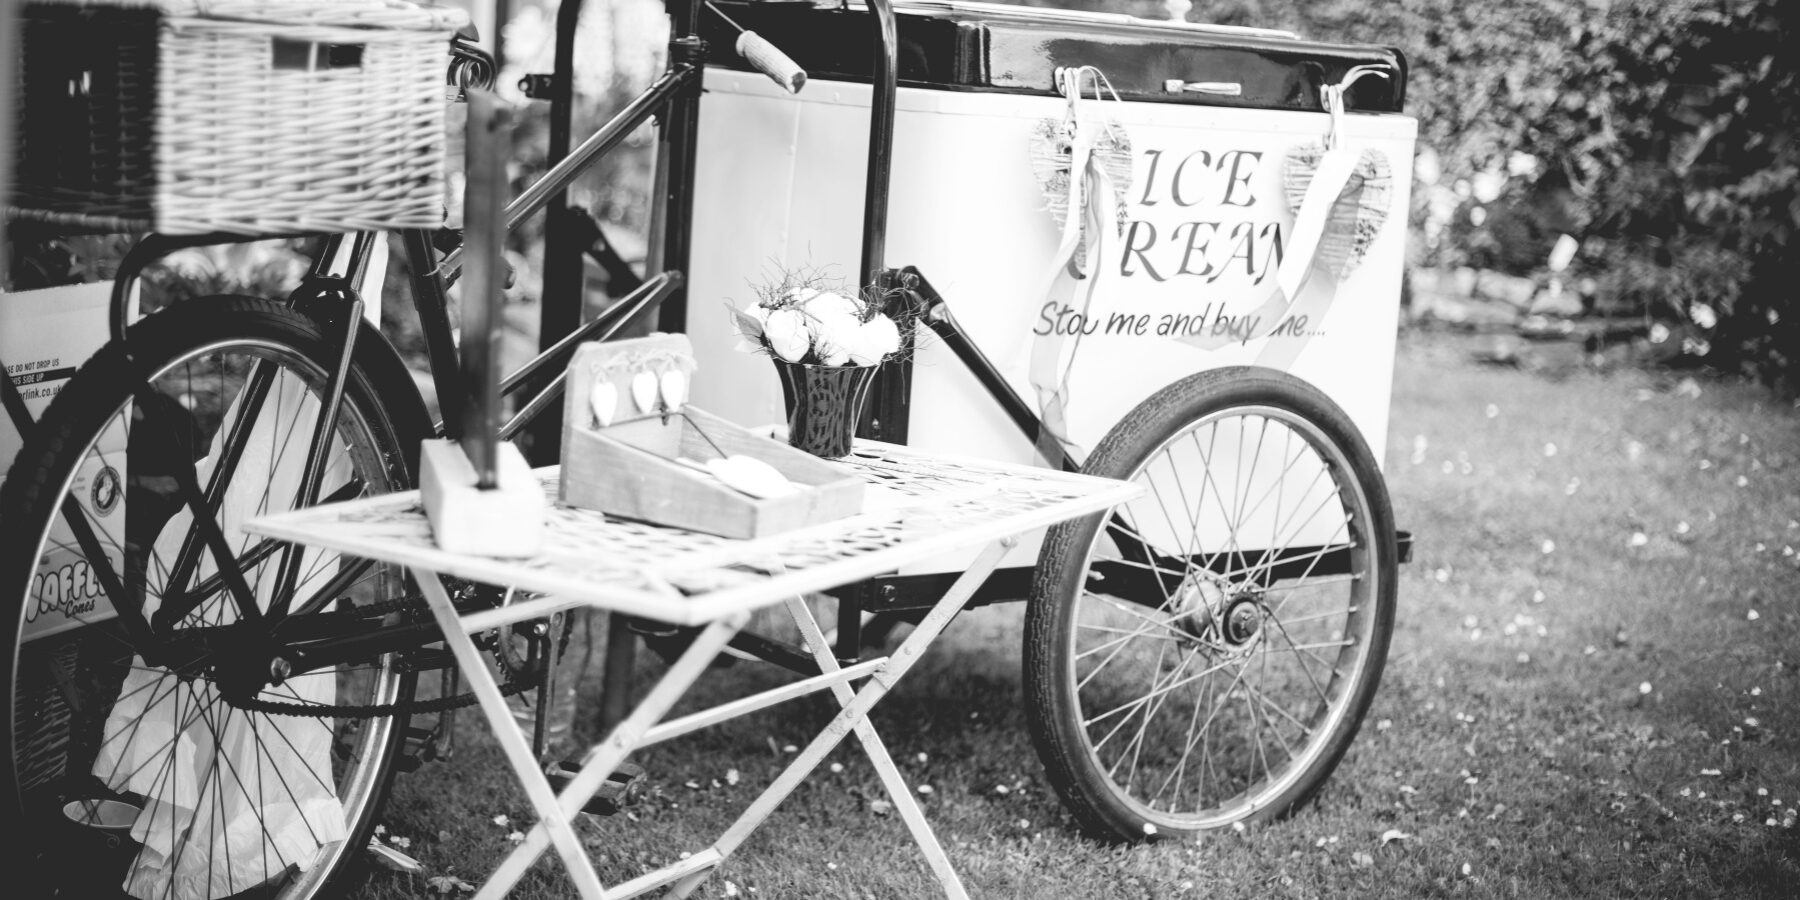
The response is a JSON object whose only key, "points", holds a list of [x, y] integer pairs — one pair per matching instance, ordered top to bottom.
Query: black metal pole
{"points": [[502, 14], [9, 25], [881, 141], [671, 203], [671, 231], [559, 307], [434, 326], [886, 415]]}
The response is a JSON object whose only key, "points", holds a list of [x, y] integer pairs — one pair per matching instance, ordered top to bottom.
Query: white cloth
{"points": [[271, 775]]}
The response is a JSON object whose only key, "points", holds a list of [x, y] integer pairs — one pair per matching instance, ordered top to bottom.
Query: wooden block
{"points": [[507, 520]]}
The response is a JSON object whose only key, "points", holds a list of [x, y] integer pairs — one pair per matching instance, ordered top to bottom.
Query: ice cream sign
{"points": [[1213, 224], [1167, 235], [1229, 239]]}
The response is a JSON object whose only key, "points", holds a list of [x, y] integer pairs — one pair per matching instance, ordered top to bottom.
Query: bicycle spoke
{"points": [[237, 438], [1301, 620], [1150, 622], [1125, 636], [1305, 651], [1154, 694], [1271, 705], [1206, 727], [256, 729], [1137, 741], [1256, 743], [1180, 769]]}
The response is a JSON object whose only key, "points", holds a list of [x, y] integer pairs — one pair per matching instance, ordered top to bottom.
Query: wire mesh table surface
{"points": [[918, 506]]}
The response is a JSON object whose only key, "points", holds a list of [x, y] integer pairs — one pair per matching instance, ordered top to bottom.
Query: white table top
{"points": [[918, 506]]}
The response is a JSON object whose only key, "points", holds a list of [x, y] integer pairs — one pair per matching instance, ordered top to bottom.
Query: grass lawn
{"points": [[1593, 691]]}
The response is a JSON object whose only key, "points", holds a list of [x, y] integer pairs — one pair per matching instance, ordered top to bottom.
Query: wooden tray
{"points": [[628, 468]]}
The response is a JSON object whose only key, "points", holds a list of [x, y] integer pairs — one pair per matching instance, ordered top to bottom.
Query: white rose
{"points": [[826, 303], [832, 333], [787, 334], [875, 339], [832, 351], [860, 352], [833, 354]]}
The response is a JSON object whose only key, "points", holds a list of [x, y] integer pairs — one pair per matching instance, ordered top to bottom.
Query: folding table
{"points": [[918, 506]]}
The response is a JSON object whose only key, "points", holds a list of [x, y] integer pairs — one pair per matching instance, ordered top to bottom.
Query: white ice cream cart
{"points": [[1216, 320]]}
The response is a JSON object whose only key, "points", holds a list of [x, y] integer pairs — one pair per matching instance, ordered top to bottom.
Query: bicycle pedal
{"points": [[419, 747], [621, 789]]}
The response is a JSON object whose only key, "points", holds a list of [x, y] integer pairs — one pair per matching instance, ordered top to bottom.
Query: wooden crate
{"points": [[628, 468]]}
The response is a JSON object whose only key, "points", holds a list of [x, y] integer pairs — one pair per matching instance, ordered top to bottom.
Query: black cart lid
{"points": [[985, 47]]}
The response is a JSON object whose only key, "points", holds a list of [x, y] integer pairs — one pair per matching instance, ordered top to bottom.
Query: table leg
{"points": [[853, 718], [512, 743], [604, 757]]}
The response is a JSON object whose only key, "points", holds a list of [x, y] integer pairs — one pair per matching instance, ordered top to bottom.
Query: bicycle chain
{"points": [[510, 687]]}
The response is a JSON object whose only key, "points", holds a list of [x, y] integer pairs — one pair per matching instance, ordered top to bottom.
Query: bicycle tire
{"points": [[178, 383], [1213, 614]]}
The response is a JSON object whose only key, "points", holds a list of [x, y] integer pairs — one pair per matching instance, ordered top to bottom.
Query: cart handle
{"points": [[765, 57], [769, 60]]}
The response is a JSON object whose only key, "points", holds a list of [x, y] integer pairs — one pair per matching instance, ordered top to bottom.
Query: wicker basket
{"points": [[239, 116]]}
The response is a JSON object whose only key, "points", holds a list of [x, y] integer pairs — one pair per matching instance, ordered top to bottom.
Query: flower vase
{"points": [[824, 404]]}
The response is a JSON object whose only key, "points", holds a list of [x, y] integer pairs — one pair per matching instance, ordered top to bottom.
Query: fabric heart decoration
{"points": [[1052, 148], [1359, 212], [673, 385], [643, 391], [603, 398]]}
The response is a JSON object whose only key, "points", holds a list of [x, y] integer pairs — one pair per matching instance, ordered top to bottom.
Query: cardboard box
{"points": [[45, 336]]}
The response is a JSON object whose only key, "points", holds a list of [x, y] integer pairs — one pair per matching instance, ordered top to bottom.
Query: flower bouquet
{"points": [[804, 324], [826, 347]]}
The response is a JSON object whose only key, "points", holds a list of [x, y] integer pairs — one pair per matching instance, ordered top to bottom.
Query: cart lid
{"points": [[990, 48]]}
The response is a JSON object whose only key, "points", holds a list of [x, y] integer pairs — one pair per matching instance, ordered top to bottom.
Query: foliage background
{"points": [[1660, 133]]}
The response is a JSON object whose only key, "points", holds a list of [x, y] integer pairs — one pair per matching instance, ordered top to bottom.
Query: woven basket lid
{"points": [[389, 14]]}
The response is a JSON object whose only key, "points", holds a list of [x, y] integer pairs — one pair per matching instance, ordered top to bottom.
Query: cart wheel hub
{"points": [[1200, 606], [1212, 613], [1243, 621]]}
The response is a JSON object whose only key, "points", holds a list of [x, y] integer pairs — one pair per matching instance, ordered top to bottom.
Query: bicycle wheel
{"points": [[1204, 656], [171, 761]]}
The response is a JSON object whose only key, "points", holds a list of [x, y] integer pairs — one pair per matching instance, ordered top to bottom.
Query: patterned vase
{"points": [[824, 403]]}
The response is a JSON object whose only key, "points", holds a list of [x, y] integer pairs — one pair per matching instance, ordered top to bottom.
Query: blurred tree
{"points": [[1676, 129]]}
